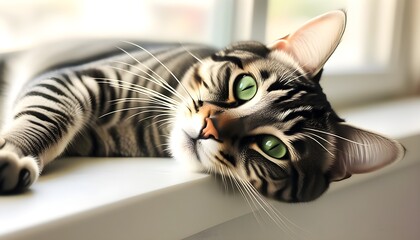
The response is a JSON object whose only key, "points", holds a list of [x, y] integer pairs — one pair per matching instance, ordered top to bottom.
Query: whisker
{"points": [[188, 51], [163, 65], [293, 72], [283, 76], [293, 79], [161, 83], [136, 88], [139, 89], [150, 100], [155, 102], [136, 108], [147, 111], [144, 119], [165, 120], [337, 136], [321, 138], [320, 144], [166, 147], [221, 169], [245, 196], [256, 205], [267, 208], [277, 217]]}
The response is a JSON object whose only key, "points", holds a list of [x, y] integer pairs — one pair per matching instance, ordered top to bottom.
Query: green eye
{"points": [[245, 88], [272, 146]]}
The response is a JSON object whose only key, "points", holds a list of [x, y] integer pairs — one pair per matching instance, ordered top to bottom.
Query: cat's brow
{"points": [[235, 60]]}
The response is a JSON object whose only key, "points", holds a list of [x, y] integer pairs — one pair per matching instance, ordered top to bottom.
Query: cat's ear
{"points": [[313, 43], [360, 151]]}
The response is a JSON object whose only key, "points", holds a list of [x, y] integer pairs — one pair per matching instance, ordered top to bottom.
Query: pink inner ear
{"points": [[282, 44], [312, 44]]}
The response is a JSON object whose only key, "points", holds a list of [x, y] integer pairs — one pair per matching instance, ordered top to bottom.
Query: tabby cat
{"points": [[253, 112]]}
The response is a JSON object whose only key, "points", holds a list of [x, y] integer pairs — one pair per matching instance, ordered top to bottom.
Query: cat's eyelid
{"points": [[279, 161]]}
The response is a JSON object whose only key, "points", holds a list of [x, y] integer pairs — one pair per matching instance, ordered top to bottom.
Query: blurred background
{"points": [[375, 61]]}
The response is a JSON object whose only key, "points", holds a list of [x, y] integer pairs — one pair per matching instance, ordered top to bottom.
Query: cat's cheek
{"points": [[191, 125], [183, 150], [207, 150]]}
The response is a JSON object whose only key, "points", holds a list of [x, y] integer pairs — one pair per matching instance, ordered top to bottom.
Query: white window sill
{"points": [[153, 199]]}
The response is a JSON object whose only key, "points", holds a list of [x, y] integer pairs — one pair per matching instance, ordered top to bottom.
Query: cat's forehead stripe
{"points": [[252, 47], [239, 53], [225, 58], [265, 74]]}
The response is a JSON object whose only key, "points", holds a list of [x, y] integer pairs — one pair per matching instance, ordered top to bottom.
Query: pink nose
{"points": [[209, 130]]}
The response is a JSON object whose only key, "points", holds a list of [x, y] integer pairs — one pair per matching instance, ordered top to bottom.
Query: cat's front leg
{"points": [[45, 118]]}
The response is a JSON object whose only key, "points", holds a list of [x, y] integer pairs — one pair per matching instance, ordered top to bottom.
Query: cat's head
{"points": [[259, 115]]}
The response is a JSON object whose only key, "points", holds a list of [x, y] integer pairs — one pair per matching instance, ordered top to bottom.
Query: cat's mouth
{"points": [[196, 140], [203, 147]]}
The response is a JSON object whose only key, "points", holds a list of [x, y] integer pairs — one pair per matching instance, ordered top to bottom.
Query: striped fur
{"points": [[140, 102], [103, 108]]}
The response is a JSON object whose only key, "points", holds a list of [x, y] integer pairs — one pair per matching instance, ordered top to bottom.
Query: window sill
{"points": [[152, 198]]}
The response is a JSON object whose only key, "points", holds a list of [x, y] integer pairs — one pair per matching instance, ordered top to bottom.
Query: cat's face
{"points": [[260, 102], [258, 114]]}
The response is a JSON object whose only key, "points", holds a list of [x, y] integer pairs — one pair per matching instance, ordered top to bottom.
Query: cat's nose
{"points": [[209, 130]]}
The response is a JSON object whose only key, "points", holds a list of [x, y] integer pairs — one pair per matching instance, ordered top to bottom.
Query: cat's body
{"points": [[74, 110], [252, 112]]}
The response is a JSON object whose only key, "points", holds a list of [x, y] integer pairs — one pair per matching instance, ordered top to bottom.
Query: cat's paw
{"points": [[16, 173]]}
